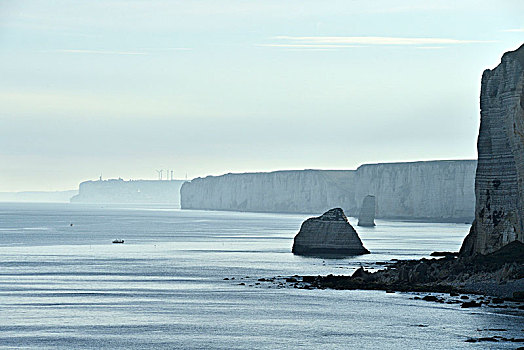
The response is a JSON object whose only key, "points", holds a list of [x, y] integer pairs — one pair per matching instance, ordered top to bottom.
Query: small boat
{"points": [[118, 241]]}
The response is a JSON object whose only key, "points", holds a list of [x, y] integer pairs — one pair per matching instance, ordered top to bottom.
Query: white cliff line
{"points": [[432, 190]]}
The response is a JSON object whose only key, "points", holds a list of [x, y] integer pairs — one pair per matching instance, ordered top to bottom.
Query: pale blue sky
{"points": [[208, 87]]}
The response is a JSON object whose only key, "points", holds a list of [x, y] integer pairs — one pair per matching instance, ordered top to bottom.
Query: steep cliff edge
{"points": [[500, 172], [431, 190], [300, 191], [129, 192]]}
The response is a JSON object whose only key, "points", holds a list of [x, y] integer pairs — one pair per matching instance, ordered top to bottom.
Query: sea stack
{"points": [[499, 181], [367, 212], [328, 234]]}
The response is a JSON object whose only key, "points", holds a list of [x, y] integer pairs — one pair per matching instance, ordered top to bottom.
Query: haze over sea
{"points": [[68, 287]]}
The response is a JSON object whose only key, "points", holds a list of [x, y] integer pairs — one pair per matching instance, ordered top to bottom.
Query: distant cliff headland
{"points": [[430, 190], [133, 191]]}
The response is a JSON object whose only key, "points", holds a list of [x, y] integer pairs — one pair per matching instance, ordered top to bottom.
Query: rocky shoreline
{"points": [[499, 274], [495, 277]]}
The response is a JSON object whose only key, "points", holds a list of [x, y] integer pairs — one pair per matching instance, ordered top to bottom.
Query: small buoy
{"points": [[71, 224]]}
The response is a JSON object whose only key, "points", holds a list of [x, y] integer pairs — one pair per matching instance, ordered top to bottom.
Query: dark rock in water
{"points": [[499, 182], [367, 212], [328, 234], [445, 254], [361, 273], [309, 279], [472, 303], [484, 339]]}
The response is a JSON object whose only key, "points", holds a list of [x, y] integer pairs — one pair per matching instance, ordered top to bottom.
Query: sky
{"points": [[207, 87]]}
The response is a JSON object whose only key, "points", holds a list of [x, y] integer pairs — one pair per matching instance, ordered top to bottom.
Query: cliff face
{"points": [[500, 173], [435, 189], [438, 190], [135, 191], [306, 191], [330, 233]]}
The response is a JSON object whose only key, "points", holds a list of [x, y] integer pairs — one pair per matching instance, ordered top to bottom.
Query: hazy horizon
{"points": [[123, 88], [218, 174]]}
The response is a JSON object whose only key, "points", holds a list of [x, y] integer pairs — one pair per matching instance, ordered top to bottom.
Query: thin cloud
{"points": [[517, 30], [374, 40], [307, 46], [167, 49], [309, 49], [101, 52]]}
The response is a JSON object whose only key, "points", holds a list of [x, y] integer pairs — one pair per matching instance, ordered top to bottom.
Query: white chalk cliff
{"points": [[499, 182], [434, 190], [133, 191], [301, 191]]}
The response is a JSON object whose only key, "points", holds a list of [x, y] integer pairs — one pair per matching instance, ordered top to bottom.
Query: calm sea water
{"points": [[69, 287]]}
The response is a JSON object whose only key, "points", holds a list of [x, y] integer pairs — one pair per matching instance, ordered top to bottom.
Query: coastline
{"points": [[499, 274]]}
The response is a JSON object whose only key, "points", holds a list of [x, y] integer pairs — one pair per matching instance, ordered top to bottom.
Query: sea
{"points": [[65, 285]]}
